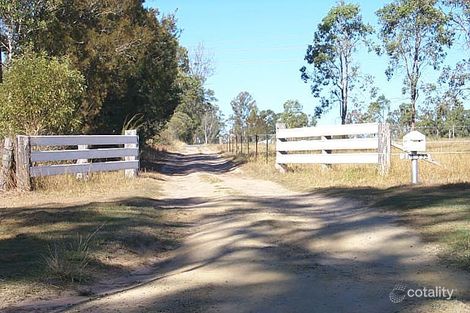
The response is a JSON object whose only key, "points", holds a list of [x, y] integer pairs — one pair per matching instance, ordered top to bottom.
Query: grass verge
{"points": [[440, 211], [68, 234]]}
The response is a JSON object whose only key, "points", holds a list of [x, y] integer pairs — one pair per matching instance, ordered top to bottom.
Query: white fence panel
{"points": [[328, 130], [76, 140], [333, 144], [370, 145], [31, 153], [64, 155], [49, 170]]}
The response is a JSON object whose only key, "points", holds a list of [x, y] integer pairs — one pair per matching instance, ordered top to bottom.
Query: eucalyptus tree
{"points": [[459, 14], [21, 20], [415, 34], [334, 74], [242, 105], [293, 115]]}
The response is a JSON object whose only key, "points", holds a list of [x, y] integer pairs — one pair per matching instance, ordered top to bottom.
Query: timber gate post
{"points": [[384, 149], [23, 163], [280, 167], [131, 172]]}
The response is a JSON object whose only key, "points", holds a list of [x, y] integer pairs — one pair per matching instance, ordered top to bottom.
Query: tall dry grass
{"points": [[453, 158]]}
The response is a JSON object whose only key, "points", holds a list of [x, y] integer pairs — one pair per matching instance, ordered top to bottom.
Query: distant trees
{"points": [[415, 34], [331, 54], [40, 95], [242, 105], [197, 108], [378, 111], [293, 116], [248, 120], [211, 124]]}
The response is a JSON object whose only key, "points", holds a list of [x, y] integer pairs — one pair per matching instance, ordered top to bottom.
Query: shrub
{"points": [[40, 95]]}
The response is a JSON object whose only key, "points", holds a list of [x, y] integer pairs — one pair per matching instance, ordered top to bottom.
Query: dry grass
{"points": [[453, 168], [439, 208], [49, 241]]}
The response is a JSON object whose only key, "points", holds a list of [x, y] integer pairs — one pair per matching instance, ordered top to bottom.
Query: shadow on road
{"points": [[178, 164], [276, 253]]}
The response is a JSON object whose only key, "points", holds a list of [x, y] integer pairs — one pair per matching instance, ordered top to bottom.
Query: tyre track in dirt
{"points": [[258, 247]]}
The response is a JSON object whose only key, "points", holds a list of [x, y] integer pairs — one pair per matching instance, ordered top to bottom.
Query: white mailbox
{"points": [[414, 142]]}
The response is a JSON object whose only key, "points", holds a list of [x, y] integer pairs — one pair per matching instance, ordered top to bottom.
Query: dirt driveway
{"points": [[258, 247]]}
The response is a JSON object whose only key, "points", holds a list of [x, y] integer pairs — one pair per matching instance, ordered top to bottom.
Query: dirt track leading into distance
{"points": [[258, 247]]}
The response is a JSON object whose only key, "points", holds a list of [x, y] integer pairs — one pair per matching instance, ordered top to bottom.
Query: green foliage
{"points": [[459, 15], [20, 21], [415, 34], [127, 54], [332, 56], [40, 95], [242, 105], [378, 111], [292, 115], [202, 118], [400, 119], [262, 122], [211, 124], [179, 127]]}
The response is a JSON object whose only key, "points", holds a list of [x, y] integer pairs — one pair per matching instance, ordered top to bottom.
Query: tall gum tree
{"points": [[415, 34], [331, 54]]}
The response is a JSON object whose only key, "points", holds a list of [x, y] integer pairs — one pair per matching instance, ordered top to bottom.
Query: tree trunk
{"points": [[1, 67], [413, 105], [7, 163]]}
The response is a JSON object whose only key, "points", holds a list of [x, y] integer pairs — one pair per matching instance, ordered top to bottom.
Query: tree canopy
{"points": [[415, 35], [127, 54], [331, 54], [40, 95]]}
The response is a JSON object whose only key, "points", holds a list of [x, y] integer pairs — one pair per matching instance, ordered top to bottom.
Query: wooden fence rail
{"points": [[364, 144], [29, 157]]}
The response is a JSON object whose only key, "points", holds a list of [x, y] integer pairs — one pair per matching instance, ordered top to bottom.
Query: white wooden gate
{"points": [[339, 144], [30, 158]]}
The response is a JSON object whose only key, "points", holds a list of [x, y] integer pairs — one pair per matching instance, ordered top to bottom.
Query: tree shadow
{"points": [[177, 164], [131, 226], [295, 255], [271, 262]]}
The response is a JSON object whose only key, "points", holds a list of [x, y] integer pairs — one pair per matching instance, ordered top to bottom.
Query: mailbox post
{"points": [[414, 143]]}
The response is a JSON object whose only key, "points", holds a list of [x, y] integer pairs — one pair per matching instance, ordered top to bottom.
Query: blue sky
{"points": [[259, 45]]}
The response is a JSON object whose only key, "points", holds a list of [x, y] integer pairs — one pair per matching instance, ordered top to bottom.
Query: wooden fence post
{"points": [[236, 144], [248, 146], [256, 147], [384, 147], [267, 148], [7, 161], [23, 163], [326, 166], [280, 167], [131, 172], [82, 176]]}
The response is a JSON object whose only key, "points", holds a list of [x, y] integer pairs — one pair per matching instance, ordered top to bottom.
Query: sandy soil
{"points": [[258, 247]]}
